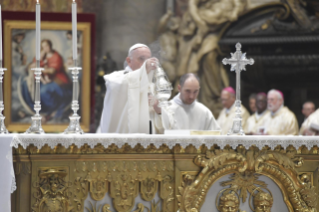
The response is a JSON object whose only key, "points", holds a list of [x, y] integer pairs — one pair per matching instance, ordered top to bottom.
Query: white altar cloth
{"points": [[158, 140], [7, 177]]}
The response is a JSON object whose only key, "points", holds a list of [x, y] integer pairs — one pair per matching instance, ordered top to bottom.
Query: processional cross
{"points": [[238, 61]]}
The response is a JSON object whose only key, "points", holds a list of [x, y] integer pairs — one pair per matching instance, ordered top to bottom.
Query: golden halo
{"points": [[221, 192], [252, 194]]}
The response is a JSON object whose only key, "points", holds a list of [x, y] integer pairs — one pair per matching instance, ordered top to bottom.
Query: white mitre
{"points": [[136, 46]]}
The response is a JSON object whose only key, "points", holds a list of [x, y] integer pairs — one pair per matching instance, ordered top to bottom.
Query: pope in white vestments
{"points": [[126, 108], [184, 112], [227, 115], [280, 120], [255, 124]]}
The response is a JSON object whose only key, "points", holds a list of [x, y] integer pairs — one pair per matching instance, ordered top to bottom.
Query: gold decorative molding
{"points": [[139, 149], [280, 166], [180, 177], [121, 180], [52, 191]]}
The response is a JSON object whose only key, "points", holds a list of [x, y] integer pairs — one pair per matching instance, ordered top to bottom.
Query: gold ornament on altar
{"points": [[281, 166], [244, 183], [52, 194], [228, 201], [262, 201]]}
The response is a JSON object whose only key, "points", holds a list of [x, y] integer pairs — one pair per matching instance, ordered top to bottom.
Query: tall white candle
{"points": [[37, 31], [74, 31]]}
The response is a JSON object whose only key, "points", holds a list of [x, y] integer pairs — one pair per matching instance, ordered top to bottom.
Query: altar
{"points": [[138, 172]]}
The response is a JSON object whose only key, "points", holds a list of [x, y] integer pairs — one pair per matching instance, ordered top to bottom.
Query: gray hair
{"points": [[186, 76]]}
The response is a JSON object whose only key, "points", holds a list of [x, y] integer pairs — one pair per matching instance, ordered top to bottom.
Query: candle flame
{"points": [[37, 1], [73, 1]]}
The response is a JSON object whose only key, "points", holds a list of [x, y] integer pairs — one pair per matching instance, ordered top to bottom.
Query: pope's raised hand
{"points": [[151, 64]]}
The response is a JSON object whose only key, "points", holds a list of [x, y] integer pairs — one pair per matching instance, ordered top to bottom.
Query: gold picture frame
{"points": [[84, 29]]}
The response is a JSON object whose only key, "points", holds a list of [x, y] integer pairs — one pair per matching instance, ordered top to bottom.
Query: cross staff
{"points": [[238, 61]]}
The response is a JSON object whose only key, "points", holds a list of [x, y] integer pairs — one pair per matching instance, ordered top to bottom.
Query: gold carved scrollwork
{"points": [[278, 165], [122, 180], [244, 183], [97, 187], [148, 188], [123, 191], [52, 192], [80, 192], [167, 192], [308, 192], [105, 208]]}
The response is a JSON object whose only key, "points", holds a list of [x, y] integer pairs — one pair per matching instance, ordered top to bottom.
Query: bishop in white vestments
{"points": [[126, 108], [185, 112], [227, 115], [280, 120], [256, 123]]}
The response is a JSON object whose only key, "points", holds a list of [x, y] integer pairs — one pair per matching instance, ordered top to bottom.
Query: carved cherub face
{"points": [[263, 202], [228, 203], [229, 206], [264, 206]]}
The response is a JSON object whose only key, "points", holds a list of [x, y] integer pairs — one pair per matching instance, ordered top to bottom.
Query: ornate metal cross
{"points": [[238, 61]]}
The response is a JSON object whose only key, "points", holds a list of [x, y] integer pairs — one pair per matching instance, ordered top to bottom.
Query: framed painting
{"points": [[56, 79]]}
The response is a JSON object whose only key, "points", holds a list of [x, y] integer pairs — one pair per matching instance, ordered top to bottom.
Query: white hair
{"points": [[276, 92]]}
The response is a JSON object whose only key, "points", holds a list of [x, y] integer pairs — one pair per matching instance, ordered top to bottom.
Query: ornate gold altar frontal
{"points": [[139, 173]]}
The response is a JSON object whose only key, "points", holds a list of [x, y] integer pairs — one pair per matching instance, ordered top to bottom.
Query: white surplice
{"points": [[126, 107], [195, 116]]}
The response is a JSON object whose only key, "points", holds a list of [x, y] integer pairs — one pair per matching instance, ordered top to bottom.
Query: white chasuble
{"points": [[126, 107], [181, 116], [226, 118], [312, 119], [283, 122], [256, 123]]}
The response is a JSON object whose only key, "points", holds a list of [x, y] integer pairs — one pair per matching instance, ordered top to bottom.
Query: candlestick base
{"points": [[74, 126], [36, 127], [237, 128], [3, 129]]}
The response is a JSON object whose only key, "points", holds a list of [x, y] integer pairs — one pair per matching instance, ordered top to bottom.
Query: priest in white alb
{"points": [[126, 108], [185, 112], [227, 115], [280, 120], [255, 124]]}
